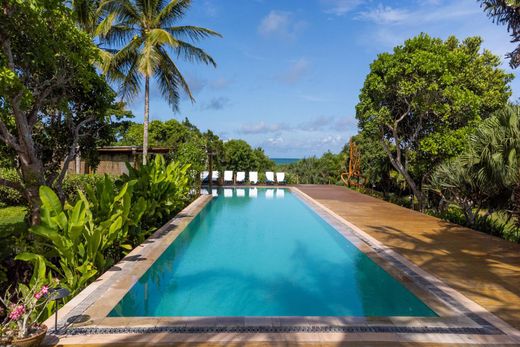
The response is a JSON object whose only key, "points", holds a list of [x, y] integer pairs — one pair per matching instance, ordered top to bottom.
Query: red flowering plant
{"points": [[22, 309]]}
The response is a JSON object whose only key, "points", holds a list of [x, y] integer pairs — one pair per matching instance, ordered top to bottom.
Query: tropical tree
{"points": [[506, 12], [148, 34], [425, 98], [52, 102], [238, 155], [485, 175]]}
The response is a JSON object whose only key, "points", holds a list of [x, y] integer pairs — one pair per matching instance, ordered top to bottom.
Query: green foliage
{"points": [[53, 99], [422, 100], [239, 156], [324, 170], [485, 175], [73, 184], [163, 188], [9, 196], [13, 230], [80, 236], [83, 239]]}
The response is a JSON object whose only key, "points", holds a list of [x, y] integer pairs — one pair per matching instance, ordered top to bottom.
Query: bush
{"points": [[74, 183], [164, 188], [8, 196]]}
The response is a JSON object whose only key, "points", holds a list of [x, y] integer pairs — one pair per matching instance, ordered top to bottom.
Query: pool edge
{"points": [[104, 329]]}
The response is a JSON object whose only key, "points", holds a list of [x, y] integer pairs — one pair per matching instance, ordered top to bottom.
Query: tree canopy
{"points": [[52, 101], [422, 101], [240, 156]]}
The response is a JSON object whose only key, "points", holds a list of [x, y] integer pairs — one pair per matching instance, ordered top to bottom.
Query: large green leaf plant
{"points": [[164, 188], [81, 237]]}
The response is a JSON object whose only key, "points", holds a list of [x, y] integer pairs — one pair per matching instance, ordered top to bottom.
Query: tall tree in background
{"points": [[506, 12], [148, 33], [52, 101], [422, 101]]}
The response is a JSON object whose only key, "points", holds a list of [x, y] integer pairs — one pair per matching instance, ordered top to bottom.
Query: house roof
{"points": [[132, 149]]}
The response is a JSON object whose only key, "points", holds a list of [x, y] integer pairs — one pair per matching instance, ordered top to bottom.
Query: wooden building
{"points": [[112, 159]]}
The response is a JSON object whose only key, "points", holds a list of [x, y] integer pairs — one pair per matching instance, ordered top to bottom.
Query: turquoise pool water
{"points": [[263, 252]]}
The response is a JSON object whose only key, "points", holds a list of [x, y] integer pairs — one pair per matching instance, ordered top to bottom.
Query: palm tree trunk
{"points": [[146, 116]]}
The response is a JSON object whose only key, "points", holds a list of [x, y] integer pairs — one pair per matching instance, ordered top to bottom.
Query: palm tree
{"points": [[144, 35]]}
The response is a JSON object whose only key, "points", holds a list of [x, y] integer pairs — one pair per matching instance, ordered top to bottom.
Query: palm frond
{"points": [[124, 9], [171, 13], [193, 33], [160, 37], [193, 54], [148, 60], [170, 79], [131, 83]]}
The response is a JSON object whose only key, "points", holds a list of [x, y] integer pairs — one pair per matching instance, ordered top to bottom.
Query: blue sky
{"points": [[289, 71]]}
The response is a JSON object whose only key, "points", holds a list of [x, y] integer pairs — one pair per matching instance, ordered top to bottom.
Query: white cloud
{"points": [[340, 7], [385, 15], [419, 15], [281, 24], [296, 71], [315, 124], [262, 128]]}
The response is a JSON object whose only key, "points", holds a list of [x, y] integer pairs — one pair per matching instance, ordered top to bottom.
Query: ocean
{"points": [[282, 161]]}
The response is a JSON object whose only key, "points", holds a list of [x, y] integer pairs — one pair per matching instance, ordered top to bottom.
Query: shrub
{"points": [[74, 183], [164, 188], [9, 196], [82, 235]]}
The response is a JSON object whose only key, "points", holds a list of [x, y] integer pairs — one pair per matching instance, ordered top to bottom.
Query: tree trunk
{"points": [[146, 117], [396, 163], [32, 176]]}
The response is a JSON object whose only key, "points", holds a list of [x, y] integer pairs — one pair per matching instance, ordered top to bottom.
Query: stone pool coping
{"points": [[84, 321]]}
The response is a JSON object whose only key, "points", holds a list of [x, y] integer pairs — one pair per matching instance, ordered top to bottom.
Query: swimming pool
{"points": [[264, 252]]}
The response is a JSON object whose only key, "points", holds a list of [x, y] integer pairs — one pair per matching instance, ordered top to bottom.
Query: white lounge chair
{"points": [[204, 176], [214, 176], [228, 177], [241, 177], [253, 177], [269, 177], [280, 177], [204, 191], [214, 192], [253, 192], [228, 193], [241, 193], [269, 193], [280, 193]]}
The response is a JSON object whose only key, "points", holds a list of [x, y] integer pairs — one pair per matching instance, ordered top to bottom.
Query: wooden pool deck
{"points": [[484, 268]]}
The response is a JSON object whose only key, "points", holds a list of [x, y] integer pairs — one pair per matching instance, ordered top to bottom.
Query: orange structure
{"points": [[354, 167]]}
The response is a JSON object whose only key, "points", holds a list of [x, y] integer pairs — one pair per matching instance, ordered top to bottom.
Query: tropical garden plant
{"points": [[149, 35], [481, 180], [163, 188], [79, 236], [22, 309]]}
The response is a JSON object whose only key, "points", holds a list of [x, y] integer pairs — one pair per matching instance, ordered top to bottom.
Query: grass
{"points": [[12, 220]]}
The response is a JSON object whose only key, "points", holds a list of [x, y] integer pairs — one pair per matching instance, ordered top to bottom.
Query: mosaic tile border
{"points": [[283, 329]]}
